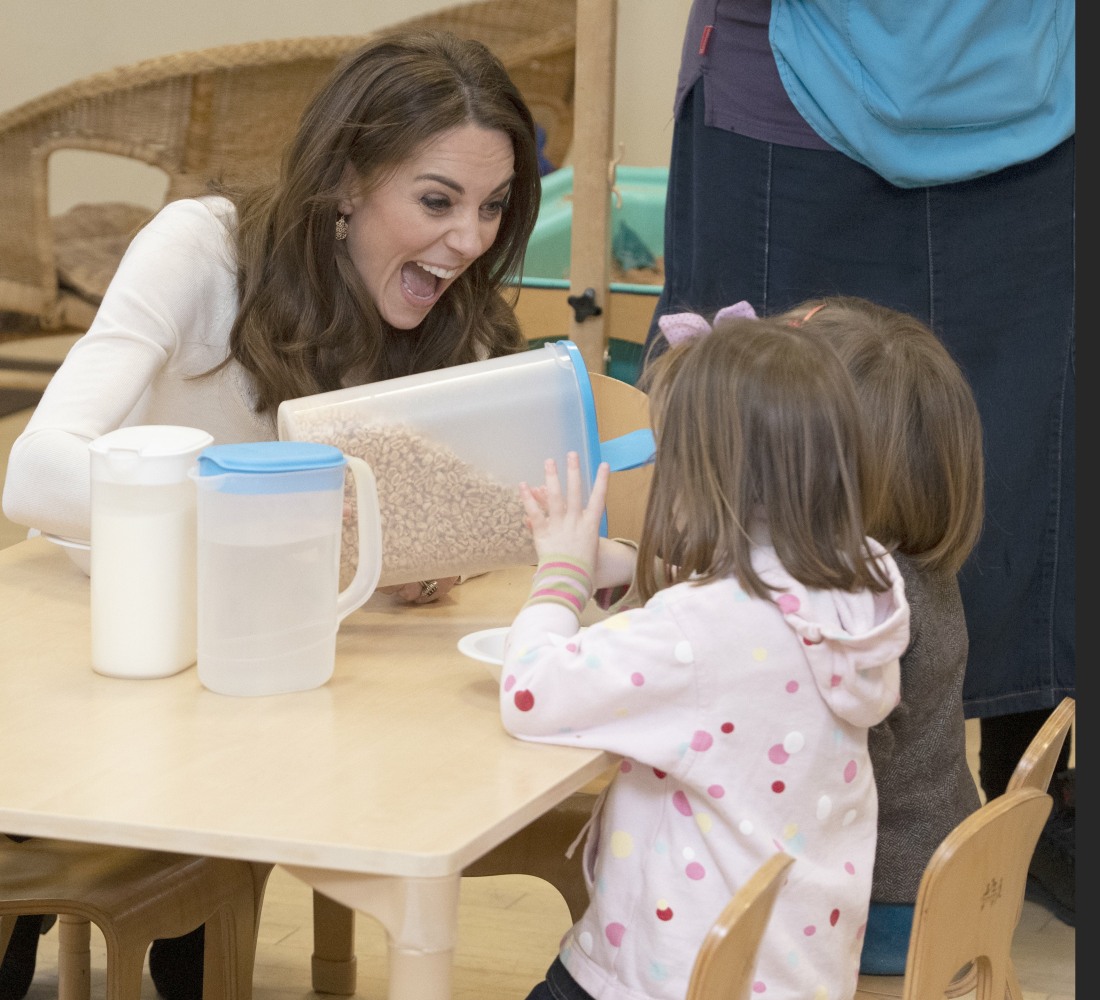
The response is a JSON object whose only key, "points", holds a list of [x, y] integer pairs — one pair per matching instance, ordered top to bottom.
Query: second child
{"points": [[925, 502]]}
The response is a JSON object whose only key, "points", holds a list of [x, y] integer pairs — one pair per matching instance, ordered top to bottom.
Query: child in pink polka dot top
{"points": [[740, 693]]}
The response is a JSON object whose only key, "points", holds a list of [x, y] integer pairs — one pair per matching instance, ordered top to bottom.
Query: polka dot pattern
{"points": [[788, 604], [701, 741], [622, 844]]}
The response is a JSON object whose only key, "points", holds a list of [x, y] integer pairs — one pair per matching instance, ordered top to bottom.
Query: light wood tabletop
{"points": [[377, 788]]}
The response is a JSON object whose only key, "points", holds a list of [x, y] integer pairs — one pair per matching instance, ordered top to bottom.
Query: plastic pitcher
{"points": [[270, 519], [143, 550]]}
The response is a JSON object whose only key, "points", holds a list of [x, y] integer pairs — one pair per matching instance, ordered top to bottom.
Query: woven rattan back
{"points": [[221, 113]]}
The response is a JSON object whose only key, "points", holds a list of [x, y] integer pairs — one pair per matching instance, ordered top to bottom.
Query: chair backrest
{"points": [[226, 113], [620, 409], [1036, 766], [970, 898], [724, 965]]}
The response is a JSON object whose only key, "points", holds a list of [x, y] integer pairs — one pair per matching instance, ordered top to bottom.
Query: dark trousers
{"points": [[988, 264], [1004, 740], [558, 985]]}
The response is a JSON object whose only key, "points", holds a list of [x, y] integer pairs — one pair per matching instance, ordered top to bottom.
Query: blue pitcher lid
{"points": [[269, 456]]}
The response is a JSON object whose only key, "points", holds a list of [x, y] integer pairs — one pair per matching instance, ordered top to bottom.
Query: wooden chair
{"points": [[219, 113], [620, 409], [1036, 766], [1034, 771], [540, 848], [134, 897], [970, 899], [724, 965]]}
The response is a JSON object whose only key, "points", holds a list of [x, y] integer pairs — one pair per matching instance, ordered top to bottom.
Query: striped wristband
{"points": [[562, 580]]}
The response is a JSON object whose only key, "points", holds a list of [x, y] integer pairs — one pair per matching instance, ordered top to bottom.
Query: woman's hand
{"points": [[559, 522], [423, 591]]}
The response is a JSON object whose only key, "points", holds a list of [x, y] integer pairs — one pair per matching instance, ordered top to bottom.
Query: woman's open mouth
{"points": [[423, 282]]}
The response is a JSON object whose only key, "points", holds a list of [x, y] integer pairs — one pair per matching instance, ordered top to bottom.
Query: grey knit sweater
{"points": [[919, 752]]}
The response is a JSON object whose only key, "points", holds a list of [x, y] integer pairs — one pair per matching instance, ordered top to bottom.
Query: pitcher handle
{"points": [[369, 567]]}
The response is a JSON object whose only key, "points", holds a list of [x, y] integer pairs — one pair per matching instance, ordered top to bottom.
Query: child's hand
{"points": [[559, 523]]}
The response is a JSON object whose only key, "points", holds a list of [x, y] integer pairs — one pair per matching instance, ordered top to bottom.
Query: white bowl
{"points": [[79, 552], [486, 646]]}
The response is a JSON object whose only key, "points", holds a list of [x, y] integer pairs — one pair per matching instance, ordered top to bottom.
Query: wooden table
{"points": [[376, 789]]}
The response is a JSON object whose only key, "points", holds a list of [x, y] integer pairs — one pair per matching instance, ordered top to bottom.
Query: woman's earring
{"points": [[341, 227]]}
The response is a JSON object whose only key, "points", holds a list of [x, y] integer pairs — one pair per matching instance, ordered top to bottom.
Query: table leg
{"points": [[420, 916], [334, 963]]}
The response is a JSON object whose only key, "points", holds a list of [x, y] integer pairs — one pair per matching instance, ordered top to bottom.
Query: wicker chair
{"points": [[220, 113]]}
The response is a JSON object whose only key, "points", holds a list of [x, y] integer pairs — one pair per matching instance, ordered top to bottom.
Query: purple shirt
{"points": [[743, 91]]}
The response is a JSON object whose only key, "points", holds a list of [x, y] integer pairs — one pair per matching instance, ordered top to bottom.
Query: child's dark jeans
{"points": [[558, 985]]}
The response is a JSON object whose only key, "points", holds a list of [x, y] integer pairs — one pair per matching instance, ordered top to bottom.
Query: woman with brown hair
{"points": [[402, 211]]}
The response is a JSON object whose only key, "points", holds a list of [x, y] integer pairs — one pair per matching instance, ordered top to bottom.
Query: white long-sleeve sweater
{"points": [[165, 317]]}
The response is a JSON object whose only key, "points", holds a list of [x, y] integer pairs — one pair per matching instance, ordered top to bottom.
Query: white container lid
{"points": [[147, 454]]}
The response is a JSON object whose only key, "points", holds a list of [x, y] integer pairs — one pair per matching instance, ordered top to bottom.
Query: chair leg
{"points": [[540, 848], [7, 925], [229, 954], [218, 955], [74, 958], [333, 962], [125, 966], [1013, 990]]}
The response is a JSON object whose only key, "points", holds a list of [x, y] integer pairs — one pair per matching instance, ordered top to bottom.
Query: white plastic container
{"points": [[449, 449], [270, 516], [143, 580]]}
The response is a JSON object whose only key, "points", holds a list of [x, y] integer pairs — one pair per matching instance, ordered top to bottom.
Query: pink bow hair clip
{"points": [[678, 327]]}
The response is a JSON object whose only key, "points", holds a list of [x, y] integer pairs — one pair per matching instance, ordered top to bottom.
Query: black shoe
{"points": [[1051, 878], [175, 965], [17, 968]]}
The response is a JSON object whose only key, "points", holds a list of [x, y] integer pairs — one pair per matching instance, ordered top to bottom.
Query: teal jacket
{"points": [[931, 91]]}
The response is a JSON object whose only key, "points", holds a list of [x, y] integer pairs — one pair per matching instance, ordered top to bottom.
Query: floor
{"points": [[509, 926]]}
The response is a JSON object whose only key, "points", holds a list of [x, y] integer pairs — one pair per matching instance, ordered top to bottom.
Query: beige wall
{"points": [[44, 45]]}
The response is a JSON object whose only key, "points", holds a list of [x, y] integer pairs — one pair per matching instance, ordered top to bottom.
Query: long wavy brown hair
{"points": [[306, 323], [757, 427], [925, 496]]}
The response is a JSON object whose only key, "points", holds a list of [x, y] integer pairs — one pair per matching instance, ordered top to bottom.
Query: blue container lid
{"points": [[265, 457]]}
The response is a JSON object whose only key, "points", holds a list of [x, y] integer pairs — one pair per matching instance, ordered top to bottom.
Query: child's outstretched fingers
{"points": [[597, 499], [554, 501], [534, 504], [560, 522]]}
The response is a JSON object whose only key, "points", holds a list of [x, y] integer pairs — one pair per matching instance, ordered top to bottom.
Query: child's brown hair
{"points": [[757, 427], [924, 492]]}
